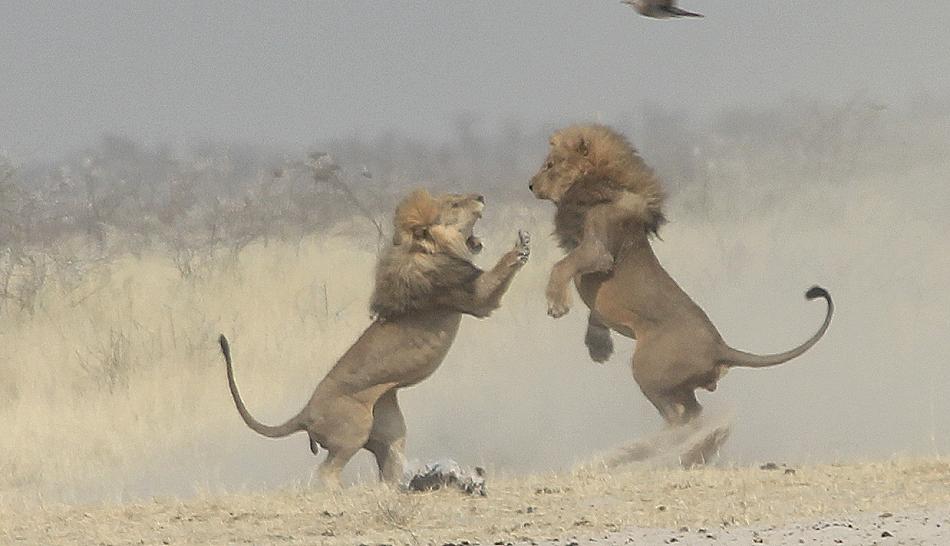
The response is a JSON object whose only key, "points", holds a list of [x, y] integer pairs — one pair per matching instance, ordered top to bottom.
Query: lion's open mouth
{"points": [[474, 244]]}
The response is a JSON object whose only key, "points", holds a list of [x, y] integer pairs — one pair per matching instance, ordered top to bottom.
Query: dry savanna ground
{"points": [[113, 392], [646, 506]]}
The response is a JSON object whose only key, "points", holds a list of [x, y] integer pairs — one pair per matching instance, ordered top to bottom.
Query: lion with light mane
{"points": [[609, 204], [425, 282]]}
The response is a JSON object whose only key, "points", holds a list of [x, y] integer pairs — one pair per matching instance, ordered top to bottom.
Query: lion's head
{"points": [[594, 158], [432, 224], [433, 244]]}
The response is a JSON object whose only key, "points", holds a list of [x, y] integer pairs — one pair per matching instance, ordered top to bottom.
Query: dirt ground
{"points": [[893, 502], [928, 527]]}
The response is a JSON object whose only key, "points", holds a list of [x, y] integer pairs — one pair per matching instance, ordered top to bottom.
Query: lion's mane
{"points": [[613, 173], [426, 258]]}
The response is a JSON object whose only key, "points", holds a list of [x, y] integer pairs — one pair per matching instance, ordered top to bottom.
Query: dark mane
{"points": [[589, 191], [409, 281]]}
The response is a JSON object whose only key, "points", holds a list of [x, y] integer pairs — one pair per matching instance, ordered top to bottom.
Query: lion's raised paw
{"points": [[523, 246]]}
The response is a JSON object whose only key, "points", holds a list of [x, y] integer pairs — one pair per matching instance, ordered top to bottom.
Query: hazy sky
{"points": [[282, 73]]}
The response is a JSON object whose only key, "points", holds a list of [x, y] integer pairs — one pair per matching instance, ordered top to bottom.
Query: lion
{"points": [[609, 205], [425, 282]]}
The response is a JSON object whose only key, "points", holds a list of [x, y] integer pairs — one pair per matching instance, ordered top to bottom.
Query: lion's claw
{"points": [[524, 238]]}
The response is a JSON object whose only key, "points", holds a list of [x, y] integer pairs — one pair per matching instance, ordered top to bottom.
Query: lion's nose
{"points": [[531, 186], [480, 198]]}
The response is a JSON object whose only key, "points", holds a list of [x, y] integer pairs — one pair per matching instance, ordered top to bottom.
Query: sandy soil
{"points": [[856, 504]]}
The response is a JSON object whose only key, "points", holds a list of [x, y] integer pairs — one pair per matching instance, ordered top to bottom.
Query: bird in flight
{"points": [[659, 9]]}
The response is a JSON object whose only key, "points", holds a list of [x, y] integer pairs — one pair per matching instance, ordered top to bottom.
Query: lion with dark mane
{"points": [[609, 204], [425, 282]]}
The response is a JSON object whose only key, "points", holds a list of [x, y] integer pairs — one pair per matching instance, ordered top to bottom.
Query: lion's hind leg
{"points": [[672, 406], [687, 406], [341, 424], [387, 439], [696, 440], [331, 467]]}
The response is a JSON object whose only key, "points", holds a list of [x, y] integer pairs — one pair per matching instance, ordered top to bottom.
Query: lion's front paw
{"points": [[523, 246], [559, 303]]}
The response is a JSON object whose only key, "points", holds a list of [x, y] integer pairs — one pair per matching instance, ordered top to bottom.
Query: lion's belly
{"points": [[603, 293], [425, 347], [399, 352]]}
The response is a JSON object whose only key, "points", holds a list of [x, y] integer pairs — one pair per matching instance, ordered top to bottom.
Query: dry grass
{"points": [[113, 372], [112, 388], [535, 508]]}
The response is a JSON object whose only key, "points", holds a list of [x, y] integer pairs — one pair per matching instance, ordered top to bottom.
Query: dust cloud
{"points": [[112, 386]]}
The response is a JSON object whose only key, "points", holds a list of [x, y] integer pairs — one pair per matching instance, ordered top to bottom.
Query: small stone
{"points": [[661, 508], [886, 515], [886, 534]]}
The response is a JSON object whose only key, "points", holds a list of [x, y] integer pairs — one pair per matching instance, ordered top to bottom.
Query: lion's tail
{"points": [[734, 357], [291, 426]]}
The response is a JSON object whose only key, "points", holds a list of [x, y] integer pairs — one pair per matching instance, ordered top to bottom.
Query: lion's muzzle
{"points": [[474, 244]]}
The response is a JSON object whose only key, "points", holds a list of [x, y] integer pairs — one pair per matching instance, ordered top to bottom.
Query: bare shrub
{"points": [[22, 276], [112, 363]]}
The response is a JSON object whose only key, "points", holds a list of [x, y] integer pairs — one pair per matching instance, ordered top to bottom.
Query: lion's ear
{"points": [[582, 147], [414, 215]]}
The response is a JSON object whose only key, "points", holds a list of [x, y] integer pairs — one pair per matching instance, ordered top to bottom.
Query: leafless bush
{"points": [[122, 198], [22, 276], [111, 365]]}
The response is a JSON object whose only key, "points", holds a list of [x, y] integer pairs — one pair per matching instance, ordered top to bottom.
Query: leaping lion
{"points": [[609, 203], [425, 282]]}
